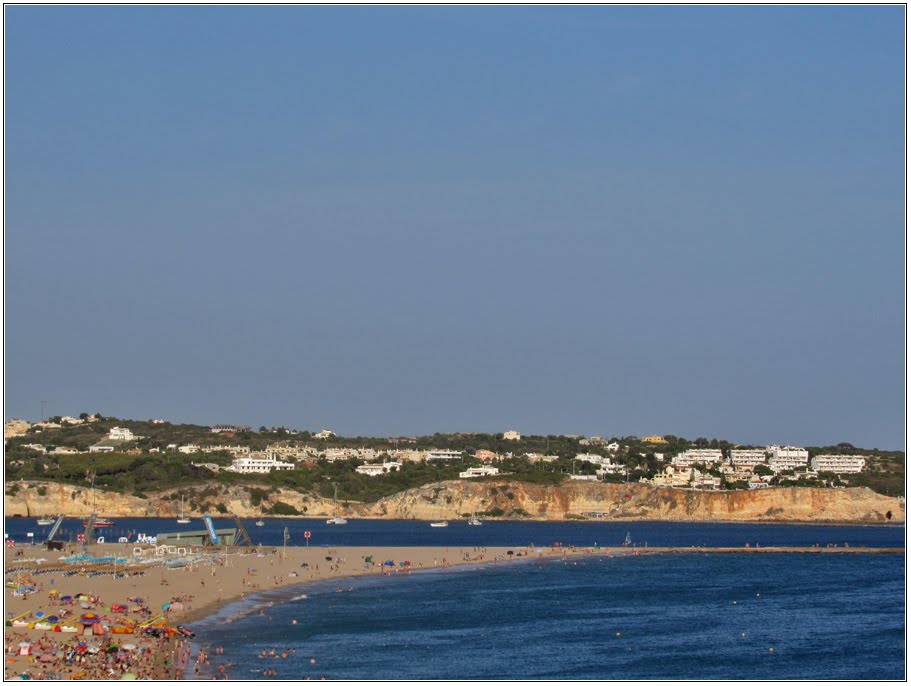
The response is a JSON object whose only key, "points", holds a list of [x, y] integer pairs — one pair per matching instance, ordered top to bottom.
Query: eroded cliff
{"points": [[458, 499]]}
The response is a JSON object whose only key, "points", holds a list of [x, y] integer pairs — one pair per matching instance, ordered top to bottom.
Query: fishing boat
{"points": [[183, 519], [337, 519], [45, 521], [101, 521], [474, 521], [439, 524]]}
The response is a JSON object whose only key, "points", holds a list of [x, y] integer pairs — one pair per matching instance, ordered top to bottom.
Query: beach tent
{"points": [[389, 563]]}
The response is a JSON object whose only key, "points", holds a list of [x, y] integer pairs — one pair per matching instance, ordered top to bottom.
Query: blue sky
{"points": [[600, 220]]}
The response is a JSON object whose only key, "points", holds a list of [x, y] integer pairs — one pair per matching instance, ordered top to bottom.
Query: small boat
{"points": [[183, 519], [45, 521], [474, 521], [100, 522], [260, 522], [439, 524]]}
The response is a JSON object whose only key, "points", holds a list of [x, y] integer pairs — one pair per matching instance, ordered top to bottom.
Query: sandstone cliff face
{"points": [[457, 499]]}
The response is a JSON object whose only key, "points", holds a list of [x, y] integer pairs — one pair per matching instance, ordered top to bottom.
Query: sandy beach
{"points": [[201, 582]]}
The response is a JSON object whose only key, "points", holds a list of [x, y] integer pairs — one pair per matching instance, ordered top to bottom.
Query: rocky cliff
{"points": [[457, 499]]}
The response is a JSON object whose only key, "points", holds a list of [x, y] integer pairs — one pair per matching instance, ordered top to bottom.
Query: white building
{"points": [[71, 420], [325, 433], [120, 434], [512, 436], [36, 446], [613, 447], [101, 449], [188, 449], [63, 450], [788, 451], [444, 455], [698, 455], [538, 457], [591, 457], [748, 457], [787, 457], [840, 464], [257, 465], [608, 467], [378, 469], [472, 472], [583, 477]]}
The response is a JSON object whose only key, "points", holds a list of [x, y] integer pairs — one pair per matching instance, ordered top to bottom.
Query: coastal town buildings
{"points": [[15, 427], [230, 428], [118, 433], [325, 433], [512, 436], [654, 439], [443, 455], [486, 455], [698, 456], [538, 457], [748, 457], [258, 463], [840, 464], [377, 469], [473, 472]]}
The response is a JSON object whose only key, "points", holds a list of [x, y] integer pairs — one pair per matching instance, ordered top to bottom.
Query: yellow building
{"points": [[15, 427], [653, 439]]}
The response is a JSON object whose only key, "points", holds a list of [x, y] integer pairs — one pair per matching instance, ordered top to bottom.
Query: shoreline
{"points": [[897, 523], [205, 581]]}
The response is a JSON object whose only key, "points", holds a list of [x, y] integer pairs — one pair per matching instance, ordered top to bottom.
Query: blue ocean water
{"points": [[366, 532], [675, 616]]}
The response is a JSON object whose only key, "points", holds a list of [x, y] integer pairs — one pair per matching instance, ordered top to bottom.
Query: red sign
{"points": [[306, 534]]}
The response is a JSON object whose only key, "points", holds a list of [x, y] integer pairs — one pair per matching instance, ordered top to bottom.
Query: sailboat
{"points": [[183, 519], [337, 519], [95, 520], [259, 521], [474, 521], [627, 540]]}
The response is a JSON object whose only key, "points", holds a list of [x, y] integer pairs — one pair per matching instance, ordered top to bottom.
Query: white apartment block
{"points": [[325, 433], [512, 436], [101, 449], [189, 449], [233, 449], [788, 451], [444, 455], [701, 455], [591, 457], [748, 457], [784, 462], [840, 464], [257, 465], [378, 469], [473, 472], [583, 477]]}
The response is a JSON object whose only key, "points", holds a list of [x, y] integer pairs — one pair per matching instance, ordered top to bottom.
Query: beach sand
{"points": [[215, 578]]}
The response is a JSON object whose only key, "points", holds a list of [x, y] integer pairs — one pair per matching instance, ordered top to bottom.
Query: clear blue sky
{"points": [[599, 220]]}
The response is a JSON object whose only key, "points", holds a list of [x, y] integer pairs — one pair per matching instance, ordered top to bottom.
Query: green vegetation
{"points": [[132, 469]]}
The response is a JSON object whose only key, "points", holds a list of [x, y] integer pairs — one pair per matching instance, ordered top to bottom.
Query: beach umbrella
{"points": [[509, 552], [368, 559], [389, 563], [401, 564], [66, 599], [84, 605], [166, 606], [39, 615], [89, 618], [53, 619], [128, 646], [112, 649]]}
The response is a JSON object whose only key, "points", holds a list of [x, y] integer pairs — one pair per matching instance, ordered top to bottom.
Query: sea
{"points": [[836, 616]]}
